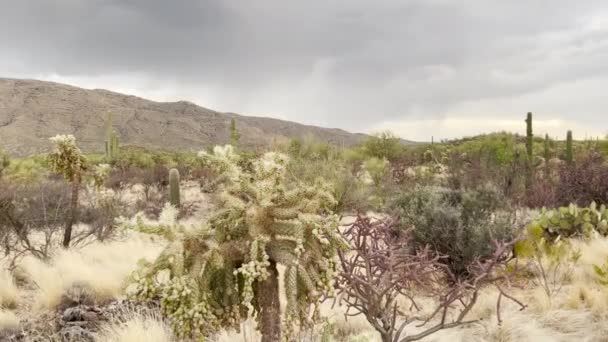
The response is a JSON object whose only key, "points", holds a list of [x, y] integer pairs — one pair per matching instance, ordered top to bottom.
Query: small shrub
{"points": [[583, 182], [31, 215], [459, 224], [551, 261]]}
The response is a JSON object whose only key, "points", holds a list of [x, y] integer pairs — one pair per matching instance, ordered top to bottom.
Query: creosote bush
{"points": [[459, 224], [221, 273]]}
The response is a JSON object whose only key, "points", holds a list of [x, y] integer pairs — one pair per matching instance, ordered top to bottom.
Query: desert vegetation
{"points": [[497, 237]]}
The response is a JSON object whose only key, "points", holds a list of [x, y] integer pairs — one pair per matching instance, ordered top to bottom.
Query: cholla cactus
{"points": [[67, 160], [100, 175], [229, 266]]}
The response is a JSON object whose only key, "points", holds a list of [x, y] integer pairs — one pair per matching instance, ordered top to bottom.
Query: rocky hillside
{"points": [[32, 111]]}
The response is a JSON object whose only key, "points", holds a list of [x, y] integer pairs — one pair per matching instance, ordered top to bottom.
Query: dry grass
{"points": [[103, 267], [8, 290], [8, 320], [136, 329]]}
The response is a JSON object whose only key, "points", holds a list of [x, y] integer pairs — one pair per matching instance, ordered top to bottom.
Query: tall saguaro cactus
{"points": [[234, 133], [111, 142], [529, 150], [569, 153], [547, 155], [67, 160], [5, 161], [174, 191]]}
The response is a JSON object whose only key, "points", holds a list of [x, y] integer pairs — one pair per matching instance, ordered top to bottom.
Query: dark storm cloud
{"points": [[346, 63]]}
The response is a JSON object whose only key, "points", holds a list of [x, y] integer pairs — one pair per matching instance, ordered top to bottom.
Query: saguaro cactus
{"points": [[234, 133], [111, 142], [112, 146], [529, 150], [569, 154], [547, 155], [5, 161], [174, 193]]}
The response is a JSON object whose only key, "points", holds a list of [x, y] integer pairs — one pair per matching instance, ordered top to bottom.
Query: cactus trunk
{"points": [[530, 152], [569, 154], [547, 156], [174, 191], [73, 216], [270, 307]]}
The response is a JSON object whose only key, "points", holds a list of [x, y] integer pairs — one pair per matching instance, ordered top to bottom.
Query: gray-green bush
{"points": [[462, 225]]}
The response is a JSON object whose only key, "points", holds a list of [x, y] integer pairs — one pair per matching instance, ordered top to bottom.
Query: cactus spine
{"points": [[529, 150], [569, 154], [174, 194]]}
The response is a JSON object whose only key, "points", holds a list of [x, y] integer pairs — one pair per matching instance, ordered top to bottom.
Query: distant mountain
{"points": [[31, 111]]}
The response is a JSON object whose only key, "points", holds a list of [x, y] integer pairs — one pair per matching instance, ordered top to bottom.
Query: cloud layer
{"points": [[419, 67]]}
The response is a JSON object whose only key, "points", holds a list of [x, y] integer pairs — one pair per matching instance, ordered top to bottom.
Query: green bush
{"points": [[383, 145], [376, 168], [26, 170], [462, 225]]}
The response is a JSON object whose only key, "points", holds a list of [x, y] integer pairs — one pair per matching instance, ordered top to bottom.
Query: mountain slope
{"points": [[32, 111]]}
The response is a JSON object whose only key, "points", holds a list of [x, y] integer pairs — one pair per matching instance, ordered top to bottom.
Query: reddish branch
{"points": [[382, 277]]}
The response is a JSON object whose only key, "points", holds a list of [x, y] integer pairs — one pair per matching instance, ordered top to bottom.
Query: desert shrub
{"points": [[384, 145], [499, 159], [376, 168], [25, 170], [583, 181], [541, 194], [99, 213], [31, 215], [573, 221], [459, 224], [551, 261], [601, 271], [385, 278]]}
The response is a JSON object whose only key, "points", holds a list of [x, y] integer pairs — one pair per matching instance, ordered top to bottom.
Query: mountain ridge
{"points": [[31, 111]]}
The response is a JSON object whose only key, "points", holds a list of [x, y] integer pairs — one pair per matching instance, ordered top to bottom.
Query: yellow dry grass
{"points": [[102, 267], [138, 328]]}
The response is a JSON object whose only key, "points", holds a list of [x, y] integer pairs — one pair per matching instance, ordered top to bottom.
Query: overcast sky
{"points": [[420, 68]]}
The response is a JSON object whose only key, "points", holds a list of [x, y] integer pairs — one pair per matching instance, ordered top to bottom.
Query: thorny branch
{"points": [[382, 276]]}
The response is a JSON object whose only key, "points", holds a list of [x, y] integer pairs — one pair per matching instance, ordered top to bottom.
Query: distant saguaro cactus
{"points": [[234, 133], [529, 137], [111, 142], [112, 146], [529, 150], [569, 154], [547, 155], [5, 161], [174, 191]]}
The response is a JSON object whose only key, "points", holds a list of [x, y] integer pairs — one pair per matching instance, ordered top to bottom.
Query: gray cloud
{"points": [[347, 63]]}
